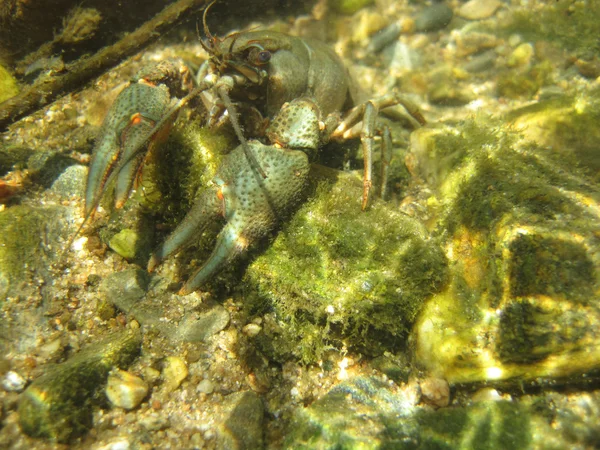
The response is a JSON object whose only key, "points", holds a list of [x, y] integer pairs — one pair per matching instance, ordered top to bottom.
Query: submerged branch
{"points": [[46, 90]]}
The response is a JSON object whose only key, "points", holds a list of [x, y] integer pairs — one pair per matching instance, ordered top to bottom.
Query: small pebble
{"points": [[479, 9], [433, 18], [521, 56], [251, 329], [174, 372], [13, 382], [205, 387], [125, 390], [435, 392], [487, 395], [155, 422], [120, 444]]}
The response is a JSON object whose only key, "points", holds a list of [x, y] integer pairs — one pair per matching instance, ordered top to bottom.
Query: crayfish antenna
{"points": [[238, 131]]}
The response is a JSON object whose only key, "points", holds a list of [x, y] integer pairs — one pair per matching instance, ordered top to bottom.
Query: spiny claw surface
{"points": [[250, 205]]}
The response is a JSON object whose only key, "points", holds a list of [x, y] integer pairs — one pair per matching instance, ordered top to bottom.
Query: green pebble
{"points": [[350, 6], [8, 85], [125, 243]]}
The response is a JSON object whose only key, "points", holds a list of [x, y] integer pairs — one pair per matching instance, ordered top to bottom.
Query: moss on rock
{"points": [[520, 222], [336, 275]]}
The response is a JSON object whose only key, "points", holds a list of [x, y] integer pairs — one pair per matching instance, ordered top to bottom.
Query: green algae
{"points": [[573, 25], [182, 166], [25, 234], [336, 276], [59, 404]]}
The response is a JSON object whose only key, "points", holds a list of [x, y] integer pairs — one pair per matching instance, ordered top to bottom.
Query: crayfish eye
{"points": [[264, 56]]}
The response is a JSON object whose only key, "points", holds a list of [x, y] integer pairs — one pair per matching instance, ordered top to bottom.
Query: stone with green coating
{"points": [[519, 208], [336, 275], [59, 404]]}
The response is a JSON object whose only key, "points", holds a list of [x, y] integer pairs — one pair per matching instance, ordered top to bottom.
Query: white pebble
{"points": [[13, 382], [205, 387], [125, 390]]}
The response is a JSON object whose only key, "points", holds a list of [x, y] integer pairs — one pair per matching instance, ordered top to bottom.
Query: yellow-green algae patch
{"points": [[8, 85], [521, 223], [336, 276]]}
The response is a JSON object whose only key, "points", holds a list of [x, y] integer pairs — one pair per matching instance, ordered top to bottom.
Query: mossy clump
{"points": [[571, 24], [516, 84], [180, 167], [25, 232], [336, 276]]}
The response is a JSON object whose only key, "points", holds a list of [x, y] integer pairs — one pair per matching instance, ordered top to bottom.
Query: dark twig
{"points": [[50, 88]]}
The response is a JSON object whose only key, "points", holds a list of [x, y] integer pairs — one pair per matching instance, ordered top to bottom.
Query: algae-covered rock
{"points": [[521, 225], [29, 242], [336, 275], [146, 298], [59, 404], [366, 413], [241, 424]]}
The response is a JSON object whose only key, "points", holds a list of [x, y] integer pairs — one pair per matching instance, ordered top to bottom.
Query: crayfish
{"points": [[300, 88]]}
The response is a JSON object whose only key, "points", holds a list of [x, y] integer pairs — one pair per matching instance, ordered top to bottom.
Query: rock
{"points": [[479, 9], [433, 18], [521, 56], [446, 94], [71, 182], [522, 236], [125, 243], [28, 244], [333, 264], [127, 290], [199, 326], [174, 372], [13, 382], [205, 387], [125, 390], [436, 392], [59, 404], [363, 413], [367, 413], [155, 422], [241, 426]]}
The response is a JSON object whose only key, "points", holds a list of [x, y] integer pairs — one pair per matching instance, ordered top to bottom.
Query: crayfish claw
{"points": [[209, 207]]}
